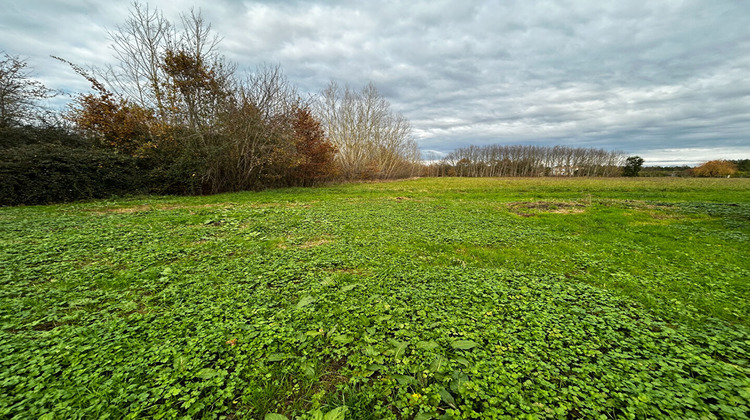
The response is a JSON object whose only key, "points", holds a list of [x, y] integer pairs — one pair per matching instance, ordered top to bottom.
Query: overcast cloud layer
{"points": [[668, 80]]}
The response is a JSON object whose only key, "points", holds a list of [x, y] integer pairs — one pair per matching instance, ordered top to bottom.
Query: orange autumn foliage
{"points": [[120, 125], [126, 127], [315, 154], [715, 168]]}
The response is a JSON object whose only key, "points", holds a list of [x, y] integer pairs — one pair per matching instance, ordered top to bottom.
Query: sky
{"points": [[668, 80]]}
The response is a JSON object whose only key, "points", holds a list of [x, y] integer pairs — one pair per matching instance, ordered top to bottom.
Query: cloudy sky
{"points": [[668, 80]]}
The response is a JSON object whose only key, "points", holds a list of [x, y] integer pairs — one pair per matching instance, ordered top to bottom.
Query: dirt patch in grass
{"points": [[400, 199], [149, 207], [529, 209], [125, 210], [315, 242], [353, 271], [48, 325], [332, 375]]}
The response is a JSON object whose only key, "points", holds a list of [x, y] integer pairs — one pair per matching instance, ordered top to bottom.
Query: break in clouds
{"points": [[663, 79]]}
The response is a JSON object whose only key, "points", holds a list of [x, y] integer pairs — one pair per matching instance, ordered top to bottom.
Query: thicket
{"points": [[175, 102], [173, 116], [743, 168], [662, 171]]}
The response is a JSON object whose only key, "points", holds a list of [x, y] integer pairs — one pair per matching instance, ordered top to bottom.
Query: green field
{"points": [[426, 298]]}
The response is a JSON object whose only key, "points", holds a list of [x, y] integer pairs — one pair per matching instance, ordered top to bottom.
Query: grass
{"points": [[426, 298]]}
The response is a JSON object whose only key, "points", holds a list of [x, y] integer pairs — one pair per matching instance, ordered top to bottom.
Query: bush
{"points": [[29, 135], [43, 165], [716, 168], [168, 174]]}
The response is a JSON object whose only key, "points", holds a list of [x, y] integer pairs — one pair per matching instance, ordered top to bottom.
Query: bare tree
{"points": [[139, 46], [177, 71], [20, 95], [258, 125], [372, 140]]}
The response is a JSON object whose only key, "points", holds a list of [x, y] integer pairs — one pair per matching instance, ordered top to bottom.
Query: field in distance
{"points": [[418, 299]]}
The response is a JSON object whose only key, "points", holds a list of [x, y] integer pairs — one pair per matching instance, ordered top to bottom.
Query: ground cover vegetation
{"points": [[429, 298]]}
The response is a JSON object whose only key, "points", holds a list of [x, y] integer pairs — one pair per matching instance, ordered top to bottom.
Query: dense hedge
{"points": [[48, 165], [51, 165]]}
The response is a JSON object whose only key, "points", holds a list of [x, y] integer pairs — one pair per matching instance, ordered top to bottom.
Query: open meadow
{"points": [[442, 298]]}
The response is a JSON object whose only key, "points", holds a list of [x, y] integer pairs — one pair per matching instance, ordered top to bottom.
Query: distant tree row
{"points": [[524, 160], [534, 161], [713, 168]]}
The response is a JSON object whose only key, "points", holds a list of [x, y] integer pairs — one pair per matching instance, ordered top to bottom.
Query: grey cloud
{"points": [[642, 76]]}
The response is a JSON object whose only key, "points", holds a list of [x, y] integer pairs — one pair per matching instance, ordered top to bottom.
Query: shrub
{"points": [[41, 166], [716, 168]]}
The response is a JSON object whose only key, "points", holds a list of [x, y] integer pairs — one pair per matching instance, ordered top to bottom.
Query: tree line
{"points": [[185, 120], [526, 160], [719, 168]]}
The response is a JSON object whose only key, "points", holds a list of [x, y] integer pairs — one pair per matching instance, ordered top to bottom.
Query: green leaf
{"points": [[349, 287], [305, 301], [343, 339], [464, 344], [427, 345], [399, 347], [370, 351], [276, 357], [462, 360], [180, 363], [437, 364], [375, 367], [308, 370], [207, 373], [459, 379], [405, 380], [446, 397], [337, 413], [47, 416], [275, 416]]}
